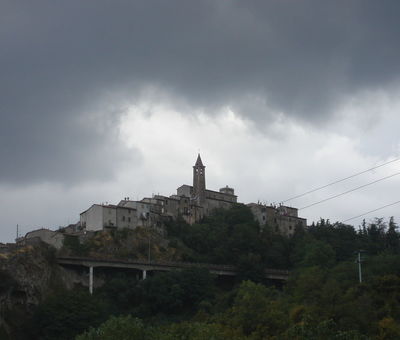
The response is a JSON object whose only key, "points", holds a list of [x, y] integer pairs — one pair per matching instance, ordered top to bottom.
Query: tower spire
{"points": [[198, 161], [199, 181]]}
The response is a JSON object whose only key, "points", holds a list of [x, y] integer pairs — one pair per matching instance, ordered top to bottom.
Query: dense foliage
{"points": [[323, 298]]}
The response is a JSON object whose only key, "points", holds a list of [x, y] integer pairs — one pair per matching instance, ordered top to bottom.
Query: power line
{"points": [[340, 180], [348, 191], [371, 211]]}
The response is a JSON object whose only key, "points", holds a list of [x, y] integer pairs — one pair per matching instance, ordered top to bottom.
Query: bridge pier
{"points": [[144, 274], [91, 280]]}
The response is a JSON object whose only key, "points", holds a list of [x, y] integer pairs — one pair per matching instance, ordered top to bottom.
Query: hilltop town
{"points": [[191, 203]]}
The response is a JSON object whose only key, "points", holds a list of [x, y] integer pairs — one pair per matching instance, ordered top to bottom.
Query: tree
{"points": [[376, 237], [392, 237], [311, 252], [319, 254], [250, 267], [175, 292], [121, 293], [255, 311], [66, 314], [121, 328], [389, 329], [327, 330], [200, 331]]}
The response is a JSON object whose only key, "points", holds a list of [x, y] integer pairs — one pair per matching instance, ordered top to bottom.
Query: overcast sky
{"points": [[101, 100]]}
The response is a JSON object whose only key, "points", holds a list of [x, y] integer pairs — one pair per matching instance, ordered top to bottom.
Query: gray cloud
{"points": [[63, 63]]}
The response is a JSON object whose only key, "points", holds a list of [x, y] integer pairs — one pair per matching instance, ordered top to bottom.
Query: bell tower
{"points": [[199, 181]]}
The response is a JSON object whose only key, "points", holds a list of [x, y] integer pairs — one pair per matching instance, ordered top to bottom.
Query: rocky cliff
{"points": [[27, 275]]}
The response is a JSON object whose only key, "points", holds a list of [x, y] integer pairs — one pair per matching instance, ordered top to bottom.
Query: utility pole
{"points": [[16, 240], [149, 249], [359, 260], [91, 280]]}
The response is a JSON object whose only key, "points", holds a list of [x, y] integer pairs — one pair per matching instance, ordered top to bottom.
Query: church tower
{"points": [[199, 181]]}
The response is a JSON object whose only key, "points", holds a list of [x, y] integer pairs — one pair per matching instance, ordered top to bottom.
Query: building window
{"points": [[129, 211], [263, 217], [123, 218], [129, 219], [290, 227]]}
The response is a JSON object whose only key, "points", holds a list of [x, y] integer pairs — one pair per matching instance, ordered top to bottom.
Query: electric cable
{"points": [[340, 180], [349, 191], [368, 212]]}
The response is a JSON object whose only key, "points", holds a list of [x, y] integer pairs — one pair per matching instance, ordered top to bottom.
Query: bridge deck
{"points": [[218, 269]]}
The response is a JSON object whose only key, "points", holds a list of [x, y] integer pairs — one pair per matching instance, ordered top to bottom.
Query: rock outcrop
{"points": [[27, 275]]}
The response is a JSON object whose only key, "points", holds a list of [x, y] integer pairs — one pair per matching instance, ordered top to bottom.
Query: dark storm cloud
{"points": [[63, 63]]}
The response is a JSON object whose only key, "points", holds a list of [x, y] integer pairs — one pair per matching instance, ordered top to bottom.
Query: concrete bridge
{"points": [[145, 266]]}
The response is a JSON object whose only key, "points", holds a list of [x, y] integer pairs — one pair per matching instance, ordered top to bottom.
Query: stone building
{"points": [[206, 200], [191, 202], [144, 211], [282, 219], [51, 237]]}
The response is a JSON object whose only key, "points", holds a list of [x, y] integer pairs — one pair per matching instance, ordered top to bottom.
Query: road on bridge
{"points": [[144, 266]]}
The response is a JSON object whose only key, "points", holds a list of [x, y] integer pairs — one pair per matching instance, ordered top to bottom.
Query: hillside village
{"points": [[191, 203]]}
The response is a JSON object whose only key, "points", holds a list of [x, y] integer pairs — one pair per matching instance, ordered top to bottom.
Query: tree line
{"points": [[323, 298]]}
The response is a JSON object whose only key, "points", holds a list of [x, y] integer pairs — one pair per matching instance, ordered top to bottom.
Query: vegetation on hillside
{"points": [[139, 243], [323, 298]]}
